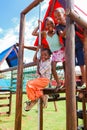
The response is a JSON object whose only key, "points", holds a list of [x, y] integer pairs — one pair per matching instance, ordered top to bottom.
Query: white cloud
{"points": [[44, 5], [83, 8], [15, 20], [30, 25], [1, 30], [8, 40]]}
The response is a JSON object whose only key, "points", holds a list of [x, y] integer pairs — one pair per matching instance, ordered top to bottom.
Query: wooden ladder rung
{"points": [[5, 95], [2, 98], [56, 99], [4, 105], [3, 113]]}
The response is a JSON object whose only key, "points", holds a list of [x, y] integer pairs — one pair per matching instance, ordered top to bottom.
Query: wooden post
{"points": [[40, 114], [18, 115], [71, 120]]}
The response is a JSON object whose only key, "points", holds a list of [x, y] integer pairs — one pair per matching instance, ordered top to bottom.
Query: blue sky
{"points": [[10, 9], [10, 18], [9, 23]]}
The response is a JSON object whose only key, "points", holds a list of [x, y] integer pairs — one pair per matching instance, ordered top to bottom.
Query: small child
{"points": [[60, 17], [34, 87]]}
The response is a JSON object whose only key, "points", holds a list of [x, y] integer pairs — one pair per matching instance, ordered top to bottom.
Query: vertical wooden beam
{"points": [[85, 52], [84, 101], [40, 114], [18, 115], [71, 120]]}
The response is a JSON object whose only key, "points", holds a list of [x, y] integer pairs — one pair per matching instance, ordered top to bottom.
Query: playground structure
{"points": [[8, 84], [71, 119]]}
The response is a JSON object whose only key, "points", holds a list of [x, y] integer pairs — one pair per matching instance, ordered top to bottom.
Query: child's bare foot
{"points": [[29, 105]]}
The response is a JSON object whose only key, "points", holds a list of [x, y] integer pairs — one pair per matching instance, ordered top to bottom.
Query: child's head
{"points": [[59, 15], [49, 24], [45, 54]]}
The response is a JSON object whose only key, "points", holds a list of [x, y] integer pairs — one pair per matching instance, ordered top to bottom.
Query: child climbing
{"points": [[60, 18], [34, 87]]}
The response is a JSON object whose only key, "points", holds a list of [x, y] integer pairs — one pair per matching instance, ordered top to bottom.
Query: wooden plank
{"points": [[32, 5], [77, 18], [34, 48], [15, 68], [51, 91], [3, 98], [56, 99], [5, 105], [3, 113], [40, 114], [18, 115]]}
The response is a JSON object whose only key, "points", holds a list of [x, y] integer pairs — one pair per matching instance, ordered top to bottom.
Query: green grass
{"points": [[52, 120]]}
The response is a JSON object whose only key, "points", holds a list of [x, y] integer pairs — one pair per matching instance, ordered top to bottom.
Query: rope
{"points": [[39, 43]]}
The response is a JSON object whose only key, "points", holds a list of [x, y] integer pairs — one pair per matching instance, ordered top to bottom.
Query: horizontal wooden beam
{"points": [[32, 5], [77, 18], [33, 48], [14, 68], [51, 91]]}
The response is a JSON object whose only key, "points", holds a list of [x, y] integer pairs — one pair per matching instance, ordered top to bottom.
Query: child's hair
{"points": [[60, 9], [51, 20], [48, 51]]}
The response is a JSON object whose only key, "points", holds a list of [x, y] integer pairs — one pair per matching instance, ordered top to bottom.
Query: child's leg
{"points": [[80, 59], [64, 72], [83, 72], [55, 73], [34, 87], [45, 100]]}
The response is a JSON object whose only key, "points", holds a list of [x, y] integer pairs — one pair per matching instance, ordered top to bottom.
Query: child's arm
{"points": [[35, 31], [62, 33], [35, 55], [35, 59]]}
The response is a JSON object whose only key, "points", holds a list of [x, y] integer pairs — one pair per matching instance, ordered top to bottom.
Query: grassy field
{"points": [[52, 120]]}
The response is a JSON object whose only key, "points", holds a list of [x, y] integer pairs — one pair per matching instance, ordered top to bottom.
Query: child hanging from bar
{"points": [[60, 18], [34, 87]]}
